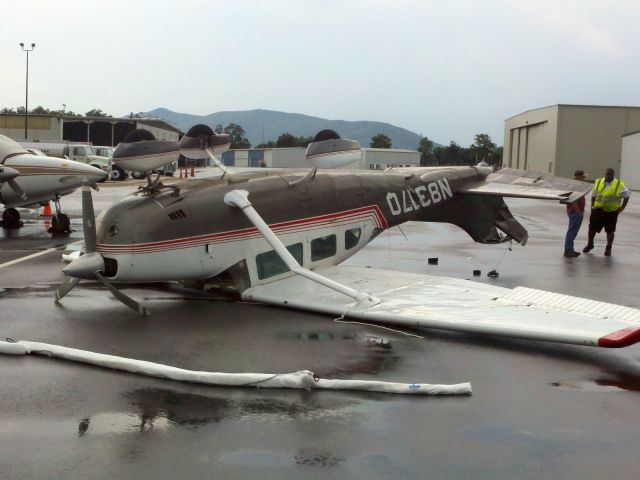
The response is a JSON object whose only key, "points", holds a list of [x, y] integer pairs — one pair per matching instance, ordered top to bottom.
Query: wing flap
{"points": [[517, 183], [416, 300]]}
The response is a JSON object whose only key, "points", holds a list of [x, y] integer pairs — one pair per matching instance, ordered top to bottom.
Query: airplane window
{"points": [[351, 238], [323, 247], [269, 264]]}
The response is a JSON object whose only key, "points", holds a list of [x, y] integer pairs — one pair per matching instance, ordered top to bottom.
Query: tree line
{"points": [[40, 110], [483, 149]]}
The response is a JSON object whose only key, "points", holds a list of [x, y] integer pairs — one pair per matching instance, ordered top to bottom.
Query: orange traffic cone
{"points": [[193, 171], [46, 211]]}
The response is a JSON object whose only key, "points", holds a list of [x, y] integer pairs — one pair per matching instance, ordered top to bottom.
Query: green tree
{"points": [[40, 110], [8, 111], [96, 112], [218, 129], [238, 139], [289, 140], [380, 141], [269, 144], [482, 148], [426, 151], [452, 154]]}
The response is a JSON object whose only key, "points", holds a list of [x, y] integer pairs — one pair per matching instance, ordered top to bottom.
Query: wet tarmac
{"points": [[538, 410]]}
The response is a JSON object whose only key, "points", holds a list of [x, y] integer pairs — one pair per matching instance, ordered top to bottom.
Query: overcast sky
{"points": [[444, 69]]}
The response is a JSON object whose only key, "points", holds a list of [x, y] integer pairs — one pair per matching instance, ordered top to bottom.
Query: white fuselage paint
{"points": [[422, 196], [205, 261]]}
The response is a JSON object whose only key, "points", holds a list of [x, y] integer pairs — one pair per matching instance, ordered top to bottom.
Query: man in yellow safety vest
{"points": [[608, 199]]}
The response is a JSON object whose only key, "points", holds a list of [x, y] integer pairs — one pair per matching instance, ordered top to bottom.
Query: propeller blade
{"points": [[16, 188], [88, 220], [65, 287], [128, 301]]}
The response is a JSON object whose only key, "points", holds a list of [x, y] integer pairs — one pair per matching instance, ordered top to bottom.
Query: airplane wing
{"points": [[509, 182], [416, 300]]}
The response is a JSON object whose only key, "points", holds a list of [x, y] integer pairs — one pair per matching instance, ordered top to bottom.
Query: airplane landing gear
{"points": [[11, 219], [60, 223]]}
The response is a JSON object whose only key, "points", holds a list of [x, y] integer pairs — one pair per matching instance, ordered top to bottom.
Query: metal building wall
{"points": [[40, 128], [159, 133], [589, 138], [381, 158], [630, 165]]}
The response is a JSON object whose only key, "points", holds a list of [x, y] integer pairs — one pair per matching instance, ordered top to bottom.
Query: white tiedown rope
{"points": [[303, 379]]}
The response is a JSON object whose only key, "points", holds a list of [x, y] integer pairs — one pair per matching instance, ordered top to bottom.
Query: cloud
{"points": [[579, 22]]}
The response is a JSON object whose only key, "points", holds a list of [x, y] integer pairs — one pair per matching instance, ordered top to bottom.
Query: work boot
{"points": [[588, 248], [607, 251], [571, 254]]}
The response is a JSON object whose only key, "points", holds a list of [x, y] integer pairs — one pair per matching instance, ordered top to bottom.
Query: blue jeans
{"points": [[575, 221]]}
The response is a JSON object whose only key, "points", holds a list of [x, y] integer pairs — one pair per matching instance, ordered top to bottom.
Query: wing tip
{"points": [[620, 338]]}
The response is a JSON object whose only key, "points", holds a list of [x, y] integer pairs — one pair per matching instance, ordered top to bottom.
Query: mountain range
{"points": [[264, 125]]}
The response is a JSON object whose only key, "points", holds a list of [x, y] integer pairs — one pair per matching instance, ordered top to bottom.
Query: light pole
{"points": [[26, 95]]}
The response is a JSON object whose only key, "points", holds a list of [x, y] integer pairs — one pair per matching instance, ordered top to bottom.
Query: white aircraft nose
{"points": [[81, 173], [94, 173]]}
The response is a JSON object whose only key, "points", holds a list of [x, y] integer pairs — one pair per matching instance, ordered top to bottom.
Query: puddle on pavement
{"points": [[600, 385], [156, 410], [109, 423], [310, 458]]}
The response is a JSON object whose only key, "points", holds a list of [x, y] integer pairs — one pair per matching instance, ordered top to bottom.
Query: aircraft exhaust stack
{"points": [[328, 150]]}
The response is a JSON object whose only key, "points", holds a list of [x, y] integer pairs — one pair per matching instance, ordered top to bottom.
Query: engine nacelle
{"points": [[199, 138], [328, 150], [141, 152]]}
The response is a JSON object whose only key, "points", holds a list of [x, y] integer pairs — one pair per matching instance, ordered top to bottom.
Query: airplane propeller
{"points": [[8, 174], [91, 266]]}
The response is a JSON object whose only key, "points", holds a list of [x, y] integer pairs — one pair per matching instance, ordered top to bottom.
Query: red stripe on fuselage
{"points": [[289, 226]]}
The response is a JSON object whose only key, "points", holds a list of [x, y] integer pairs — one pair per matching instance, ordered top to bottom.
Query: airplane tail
{"points": [[483, 217]]}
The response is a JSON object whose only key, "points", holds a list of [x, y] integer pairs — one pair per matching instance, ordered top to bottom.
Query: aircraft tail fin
{"points": [[483, 217]]}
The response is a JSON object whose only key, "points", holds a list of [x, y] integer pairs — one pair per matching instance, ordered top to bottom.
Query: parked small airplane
{"points": [[28, 178], [278, 236]]}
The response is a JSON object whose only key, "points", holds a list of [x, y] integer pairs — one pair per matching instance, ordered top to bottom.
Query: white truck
{"points": [[80, 152], [117, 173]]}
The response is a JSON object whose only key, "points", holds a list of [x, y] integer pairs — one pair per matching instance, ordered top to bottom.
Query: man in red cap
{"points": [[575, 212]]}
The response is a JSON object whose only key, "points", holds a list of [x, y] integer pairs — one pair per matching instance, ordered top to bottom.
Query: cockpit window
{"points": [[269, 264]]}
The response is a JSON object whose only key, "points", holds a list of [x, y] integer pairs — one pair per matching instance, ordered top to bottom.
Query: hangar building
{"points": [[106, 131], [560, 139]]}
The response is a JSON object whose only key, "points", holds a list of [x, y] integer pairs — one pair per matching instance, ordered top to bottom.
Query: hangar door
{"points": [[528, 145]]}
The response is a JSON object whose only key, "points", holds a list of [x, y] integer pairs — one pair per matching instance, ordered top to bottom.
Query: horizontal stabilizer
{"points": [[509, 182], [415, 300]]}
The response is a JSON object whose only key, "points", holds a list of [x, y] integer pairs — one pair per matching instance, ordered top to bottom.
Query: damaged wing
{"points": [[517, 183], [416, 300]]}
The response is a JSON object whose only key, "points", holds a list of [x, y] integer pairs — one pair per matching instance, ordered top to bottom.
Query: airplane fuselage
{"points": [[43, 178], [322, 220]]}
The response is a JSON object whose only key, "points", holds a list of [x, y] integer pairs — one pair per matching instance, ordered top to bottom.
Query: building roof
{"points": [[571, 105], [152, 122], [635, 132], [387, 150]]}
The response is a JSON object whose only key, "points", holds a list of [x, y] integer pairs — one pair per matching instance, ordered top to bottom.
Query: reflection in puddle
{"points": [[155, 410], [109, 423]]}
